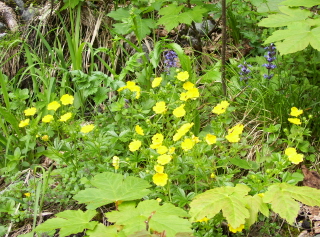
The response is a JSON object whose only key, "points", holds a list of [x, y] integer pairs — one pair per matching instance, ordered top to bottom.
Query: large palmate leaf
{"points": [[303, 3], [111, 187], [283, 196], [231, 200], [256, 205], [150, 215], [69, 222]]}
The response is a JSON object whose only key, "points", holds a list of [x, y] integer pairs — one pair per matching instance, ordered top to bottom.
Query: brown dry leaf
{"points": [[311, 178]]}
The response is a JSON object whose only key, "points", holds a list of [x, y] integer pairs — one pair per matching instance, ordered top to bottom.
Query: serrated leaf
{"points": [[303, 3], [119, 14], [194, 14], [291, 15], [169, 19], [144, 27], [122, 28], [297, 37], [101, 95], [111, 187], [283, 196], [231, 200], [254, 205], [160, 218], [69, 222], [102, 230]]}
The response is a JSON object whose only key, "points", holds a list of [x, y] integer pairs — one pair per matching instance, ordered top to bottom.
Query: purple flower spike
{"points": [[270, 58], [170, 61]]}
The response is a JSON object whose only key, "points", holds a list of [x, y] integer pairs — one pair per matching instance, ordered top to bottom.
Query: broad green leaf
{"points": [[303, 3], [266, 6], [119, 14], [194, 14], [291, 15], [169, 18], [144, 27], [122, 28], [297, 37], [244, 164], [111, 187], [283, 196], [231, 200], [254, 205], [159, 218], [69, 222], [102, 230]]}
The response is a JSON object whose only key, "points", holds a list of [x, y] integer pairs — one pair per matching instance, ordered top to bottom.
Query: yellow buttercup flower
{"points": [[183, 76], [156, 82], [188, 85], [193, 93], [184, 96], [67, 99], [54, 105], [160, 107], [221, 107], [30, 111], [179, 111], [296, 112], [65, 117], [47, 119], [294, 121], [24, 123], [87, 128], [237, 129], [139, 130], [182, 131], [233, 137], [45, 138], [157, 139], [195, 139], [211, 139], [187, 144], [135, 145], [162, 150], [290, 151], [164, 159], [296, 159], [116, 162], [159, 168], [212, 175], [160, 179], [27, 194], [159, 199], [204, 219], [235, 230]]}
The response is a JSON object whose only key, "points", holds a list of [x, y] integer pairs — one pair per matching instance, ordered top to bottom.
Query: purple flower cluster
{"points": [[270, 58], [170, 61], [244, 71]]}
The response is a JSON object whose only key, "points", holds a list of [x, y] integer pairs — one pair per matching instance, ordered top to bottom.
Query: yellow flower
{"points": [[183, 76], [156, 82], [131, 85], [188, 85], [136, 89], [193, 93], [184, 96], [67, 99], [54, 105], [160, 107], [221, 107], [30, 111], [179, 111], [296, 112], [66, 117], [47, 119], [294, 121], [24, 123], [87, 128], [237, 129], [139, 130], [182, 131], [232, 137], [45, 138], [157, 139], [195, 139], [211, 139], [187, 144], [135, 145], [162, 150], [171, 150], [290, 151], [164, 159], [296, 159], [116, 162], [159, 168], [212, 175], [160, 179], [27, 194], [261, 195], [159, 199], [204, 219], [235, 230]]}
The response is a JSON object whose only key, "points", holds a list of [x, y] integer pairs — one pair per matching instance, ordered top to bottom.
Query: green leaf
{"points": [[303, 3], [119, 14], [194, 14], [291, 15], [169, 19], [144, 27], [122, 28], [297, 37], [101, 95], [10, 119], [244, 164], [111, 187], [283, 196], [231, 200], [254, 205], [159, 218], [69, 222], [102, 230]]}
